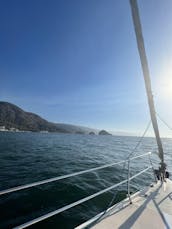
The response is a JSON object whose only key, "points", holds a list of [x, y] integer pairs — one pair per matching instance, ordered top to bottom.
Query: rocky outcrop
{"points": [[104, 132]]}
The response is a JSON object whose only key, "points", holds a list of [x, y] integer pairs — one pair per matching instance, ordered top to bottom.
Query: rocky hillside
{"points": [[12, 116]]}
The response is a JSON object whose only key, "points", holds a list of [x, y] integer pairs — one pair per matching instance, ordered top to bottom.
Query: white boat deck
{"points": [[151, 208]]}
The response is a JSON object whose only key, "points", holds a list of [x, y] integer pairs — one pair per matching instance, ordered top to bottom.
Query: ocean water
{"points": [[29, 157]]}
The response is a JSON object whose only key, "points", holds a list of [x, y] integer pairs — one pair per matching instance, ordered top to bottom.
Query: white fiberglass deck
{"points": [[151, 208]]}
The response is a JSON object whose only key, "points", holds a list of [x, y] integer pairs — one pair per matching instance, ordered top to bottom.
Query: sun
{"points": [[163, 85], [166, 87]]}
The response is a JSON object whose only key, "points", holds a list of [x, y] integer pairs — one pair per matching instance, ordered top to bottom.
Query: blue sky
{"points": [[75, 61]]}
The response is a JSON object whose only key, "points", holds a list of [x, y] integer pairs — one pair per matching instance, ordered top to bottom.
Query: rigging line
{"points": [[162, 120], [141, 139], [137, 145], [130, 155], [128, 158]]}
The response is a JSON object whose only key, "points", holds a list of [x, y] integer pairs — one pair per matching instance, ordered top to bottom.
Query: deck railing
{"points": [[50, 214]]}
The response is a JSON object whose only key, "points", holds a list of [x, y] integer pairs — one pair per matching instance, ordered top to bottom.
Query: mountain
{"points": [[11, 116], [75, 129]]}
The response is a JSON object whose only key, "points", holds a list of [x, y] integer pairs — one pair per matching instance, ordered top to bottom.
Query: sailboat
{"points": [[147, 208]]}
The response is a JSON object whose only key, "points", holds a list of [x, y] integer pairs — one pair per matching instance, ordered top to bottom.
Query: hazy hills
{"points": [[11, 116]]}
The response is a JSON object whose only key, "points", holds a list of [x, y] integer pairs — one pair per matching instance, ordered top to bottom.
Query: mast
{"points": [[146, 74]]}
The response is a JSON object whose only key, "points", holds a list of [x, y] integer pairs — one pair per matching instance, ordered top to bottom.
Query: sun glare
{"points": [[164, 84], [167, 87]]}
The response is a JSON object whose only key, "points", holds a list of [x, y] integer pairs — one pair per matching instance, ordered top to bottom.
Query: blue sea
{"points": [[30, 157]]}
